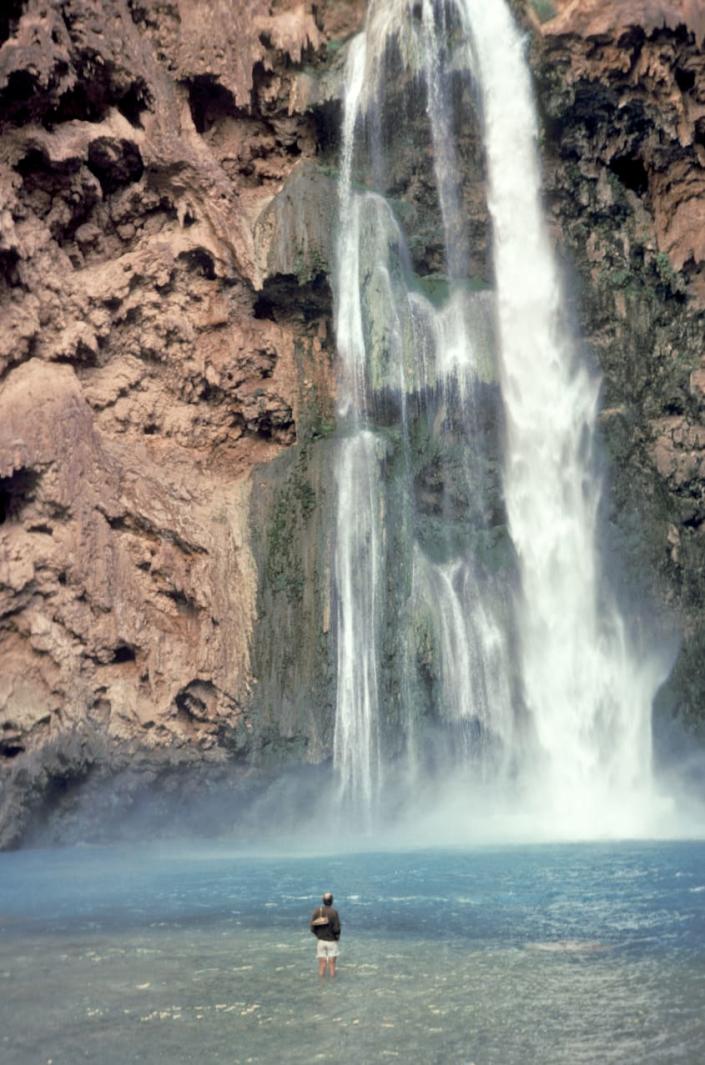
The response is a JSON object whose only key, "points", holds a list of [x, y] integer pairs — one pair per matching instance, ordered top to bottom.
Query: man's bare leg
{"points": [[331, 966], [321, 967]]}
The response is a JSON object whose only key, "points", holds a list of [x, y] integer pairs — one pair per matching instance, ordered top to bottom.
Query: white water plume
{"points": [[430, 622], [588, 695]]}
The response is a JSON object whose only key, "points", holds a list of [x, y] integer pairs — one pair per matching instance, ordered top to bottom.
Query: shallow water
{"points": [[550, 954]]}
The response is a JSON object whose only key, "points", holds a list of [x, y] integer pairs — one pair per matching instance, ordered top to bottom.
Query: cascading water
{"points": [[358, 556], [474, 628], [589, 699]]}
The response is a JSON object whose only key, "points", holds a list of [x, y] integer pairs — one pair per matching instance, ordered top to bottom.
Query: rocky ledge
{"points": [[166, 384]]}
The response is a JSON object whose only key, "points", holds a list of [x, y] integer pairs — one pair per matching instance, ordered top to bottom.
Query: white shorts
{"points": [[327, 949]]}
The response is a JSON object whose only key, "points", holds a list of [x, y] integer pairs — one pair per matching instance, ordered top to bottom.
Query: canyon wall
{"points": [[622, 90], [164, 333], [167, 383]]}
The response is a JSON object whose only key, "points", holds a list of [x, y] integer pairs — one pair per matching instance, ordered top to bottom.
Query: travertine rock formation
{"points": [[622, 86], [166, 205], [145, 225]]}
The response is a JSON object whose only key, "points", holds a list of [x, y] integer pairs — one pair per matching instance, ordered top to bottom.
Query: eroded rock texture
{"points": [[622, 90], [167, 199], [164, 329]]}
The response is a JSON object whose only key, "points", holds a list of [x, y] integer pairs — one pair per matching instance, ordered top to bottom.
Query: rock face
{"points": [[622, 88], [156, 223], [166, 380]]}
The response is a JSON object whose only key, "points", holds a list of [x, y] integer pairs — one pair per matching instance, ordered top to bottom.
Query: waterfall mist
{"points": [[484, 665]]}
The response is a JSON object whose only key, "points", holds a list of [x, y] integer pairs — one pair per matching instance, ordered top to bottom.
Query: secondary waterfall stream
{"points": [[476, 631]]}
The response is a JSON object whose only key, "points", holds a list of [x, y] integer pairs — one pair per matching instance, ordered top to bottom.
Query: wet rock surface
{"points": [[621, 91], [167, 196]]}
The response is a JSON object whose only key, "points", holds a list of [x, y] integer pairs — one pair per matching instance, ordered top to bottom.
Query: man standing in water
{"points": [[325, 925]]}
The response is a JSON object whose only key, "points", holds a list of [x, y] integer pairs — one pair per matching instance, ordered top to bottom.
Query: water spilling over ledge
{"points": [[169, 631], [478, 638]]}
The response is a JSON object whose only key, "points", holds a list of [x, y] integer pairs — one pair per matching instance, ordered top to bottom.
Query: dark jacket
{"points": [[329, 932]]}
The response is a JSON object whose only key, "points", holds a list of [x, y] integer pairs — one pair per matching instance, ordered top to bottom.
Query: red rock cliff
{"points": [[165, 340], [147, 368]]}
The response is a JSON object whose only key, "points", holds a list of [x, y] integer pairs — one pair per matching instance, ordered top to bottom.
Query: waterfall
{"points": [[359, 560], [475, 627], [588, 697]]}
